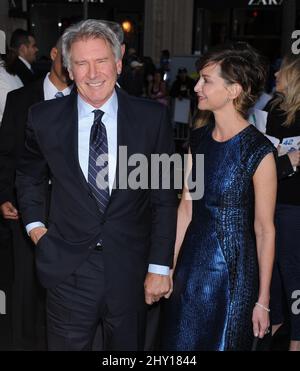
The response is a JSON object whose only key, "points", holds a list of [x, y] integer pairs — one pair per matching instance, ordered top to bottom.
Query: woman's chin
{"points": [[202, 106]]}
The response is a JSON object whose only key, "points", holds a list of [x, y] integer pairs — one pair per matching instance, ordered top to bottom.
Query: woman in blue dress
{"points": [[224, 248]]}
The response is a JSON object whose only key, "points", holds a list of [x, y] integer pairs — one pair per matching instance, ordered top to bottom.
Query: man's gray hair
{"points": [[117, 28], [89, 29]]}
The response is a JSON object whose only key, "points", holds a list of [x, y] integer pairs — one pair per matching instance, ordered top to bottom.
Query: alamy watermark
{"points": [[2, 42], [296, 43], [154, 172], [2, 302], [296, 303]]}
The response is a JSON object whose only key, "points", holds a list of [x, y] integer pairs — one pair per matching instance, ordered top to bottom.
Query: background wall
{"points": [[168, 25]]}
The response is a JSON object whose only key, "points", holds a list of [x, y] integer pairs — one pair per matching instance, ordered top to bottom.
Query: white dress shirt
{"points": [[27, 64], [8, 83], [50, 90], [85, 122]]}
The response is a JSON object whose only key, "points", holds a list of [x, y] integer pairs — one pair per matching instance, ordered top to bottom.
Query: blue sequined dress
{"points": [[216, 278]]}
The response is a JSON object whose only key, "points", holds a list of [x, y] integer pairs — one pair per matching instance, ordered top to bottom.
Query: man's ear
{"points": [[123, 49], [22, 50], [53, 53], [119, 67], [70, 74], [234, 90]]}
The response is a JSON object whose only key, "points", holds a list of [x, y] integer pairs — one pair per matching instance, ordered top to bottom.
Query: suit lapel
{"points": [[123, 136]]}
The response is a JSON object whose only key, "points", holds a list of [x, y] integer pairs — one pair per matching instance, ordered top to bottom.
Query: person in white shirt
{"points": [[8, 82], [27, 296]]}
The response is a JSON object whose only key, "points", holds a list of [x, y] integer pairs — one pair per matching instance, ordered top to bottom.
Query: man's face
{"points": [[30, 50], [94, 70]]}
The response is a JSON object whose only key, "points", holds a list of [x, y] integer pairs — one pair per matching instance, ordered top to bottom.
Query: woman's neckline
{"points": [[228, 140]]}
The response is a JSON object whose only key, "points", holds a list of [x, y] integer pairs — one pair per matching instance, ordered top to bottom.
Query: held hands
{"points": [[8, 211], [37, 233], [156, 286], [168, 294], [260, 320]]}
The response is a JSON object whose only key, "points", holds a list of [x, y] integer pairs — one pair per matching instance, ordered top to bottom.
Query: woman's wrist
{"points": [[264, 299], [259, 305]]}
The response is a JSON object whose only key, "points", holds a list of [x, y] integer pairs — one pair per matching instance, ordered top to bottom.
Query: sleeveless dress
{"points": [[216, 277]]}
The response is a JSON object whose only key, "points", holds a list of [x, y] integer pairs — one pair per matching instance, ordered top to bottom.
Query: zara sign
{"points": [[265, 2]]}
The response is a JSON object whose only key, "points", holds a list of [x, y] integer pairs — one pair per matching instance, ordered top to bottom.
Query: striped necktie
{"points": [[59, 94], [98, 162]]}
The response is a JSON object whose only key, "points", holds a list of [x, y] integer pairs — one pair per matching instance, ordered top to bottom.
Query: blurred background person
{"points": [[22, 55], [164, 65], [132, 78], [8, 81], [183, 86], [157, 89], [284, 122], [28, 302]]}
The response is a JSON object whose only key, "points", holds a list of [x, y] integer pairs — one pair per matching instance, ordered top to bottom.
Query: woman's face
{"points": [[281, 82], [211, 89]]}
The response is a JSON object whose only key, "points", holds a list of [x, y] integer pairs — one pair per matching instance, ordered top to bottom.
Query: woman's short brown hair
{"points": [[242, 64]]}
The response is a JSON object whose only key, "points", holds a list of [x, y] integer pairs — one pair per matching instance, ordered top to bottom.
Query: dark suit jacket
{"points": [[20, 69], [12, 134], [138, 226]]}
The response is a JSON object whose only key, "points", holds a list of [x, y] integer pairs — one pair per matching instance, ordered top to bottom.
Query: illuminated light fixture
{"points": [[59, 24], [127, 26]]}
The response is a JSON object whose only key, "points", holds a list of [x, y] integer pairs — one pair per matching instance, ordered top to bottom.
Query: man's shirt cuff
{"points": [[29, 227], [159, 269]]}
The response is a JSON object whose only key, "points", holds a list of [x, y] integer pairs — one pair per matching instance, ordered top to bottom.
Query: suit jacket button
{"points": [[99, 246]]}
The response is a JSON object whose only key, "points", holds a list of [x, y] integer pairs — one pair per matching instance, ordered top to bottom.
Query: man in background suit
{"points": [[24, 46], [107, 250], [28, 296]]}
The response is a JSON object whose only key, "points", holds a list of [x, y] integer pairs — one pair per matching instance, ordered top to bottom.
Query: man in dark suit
{"points": [[24, 45], [107, 249], [27, 294]]}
